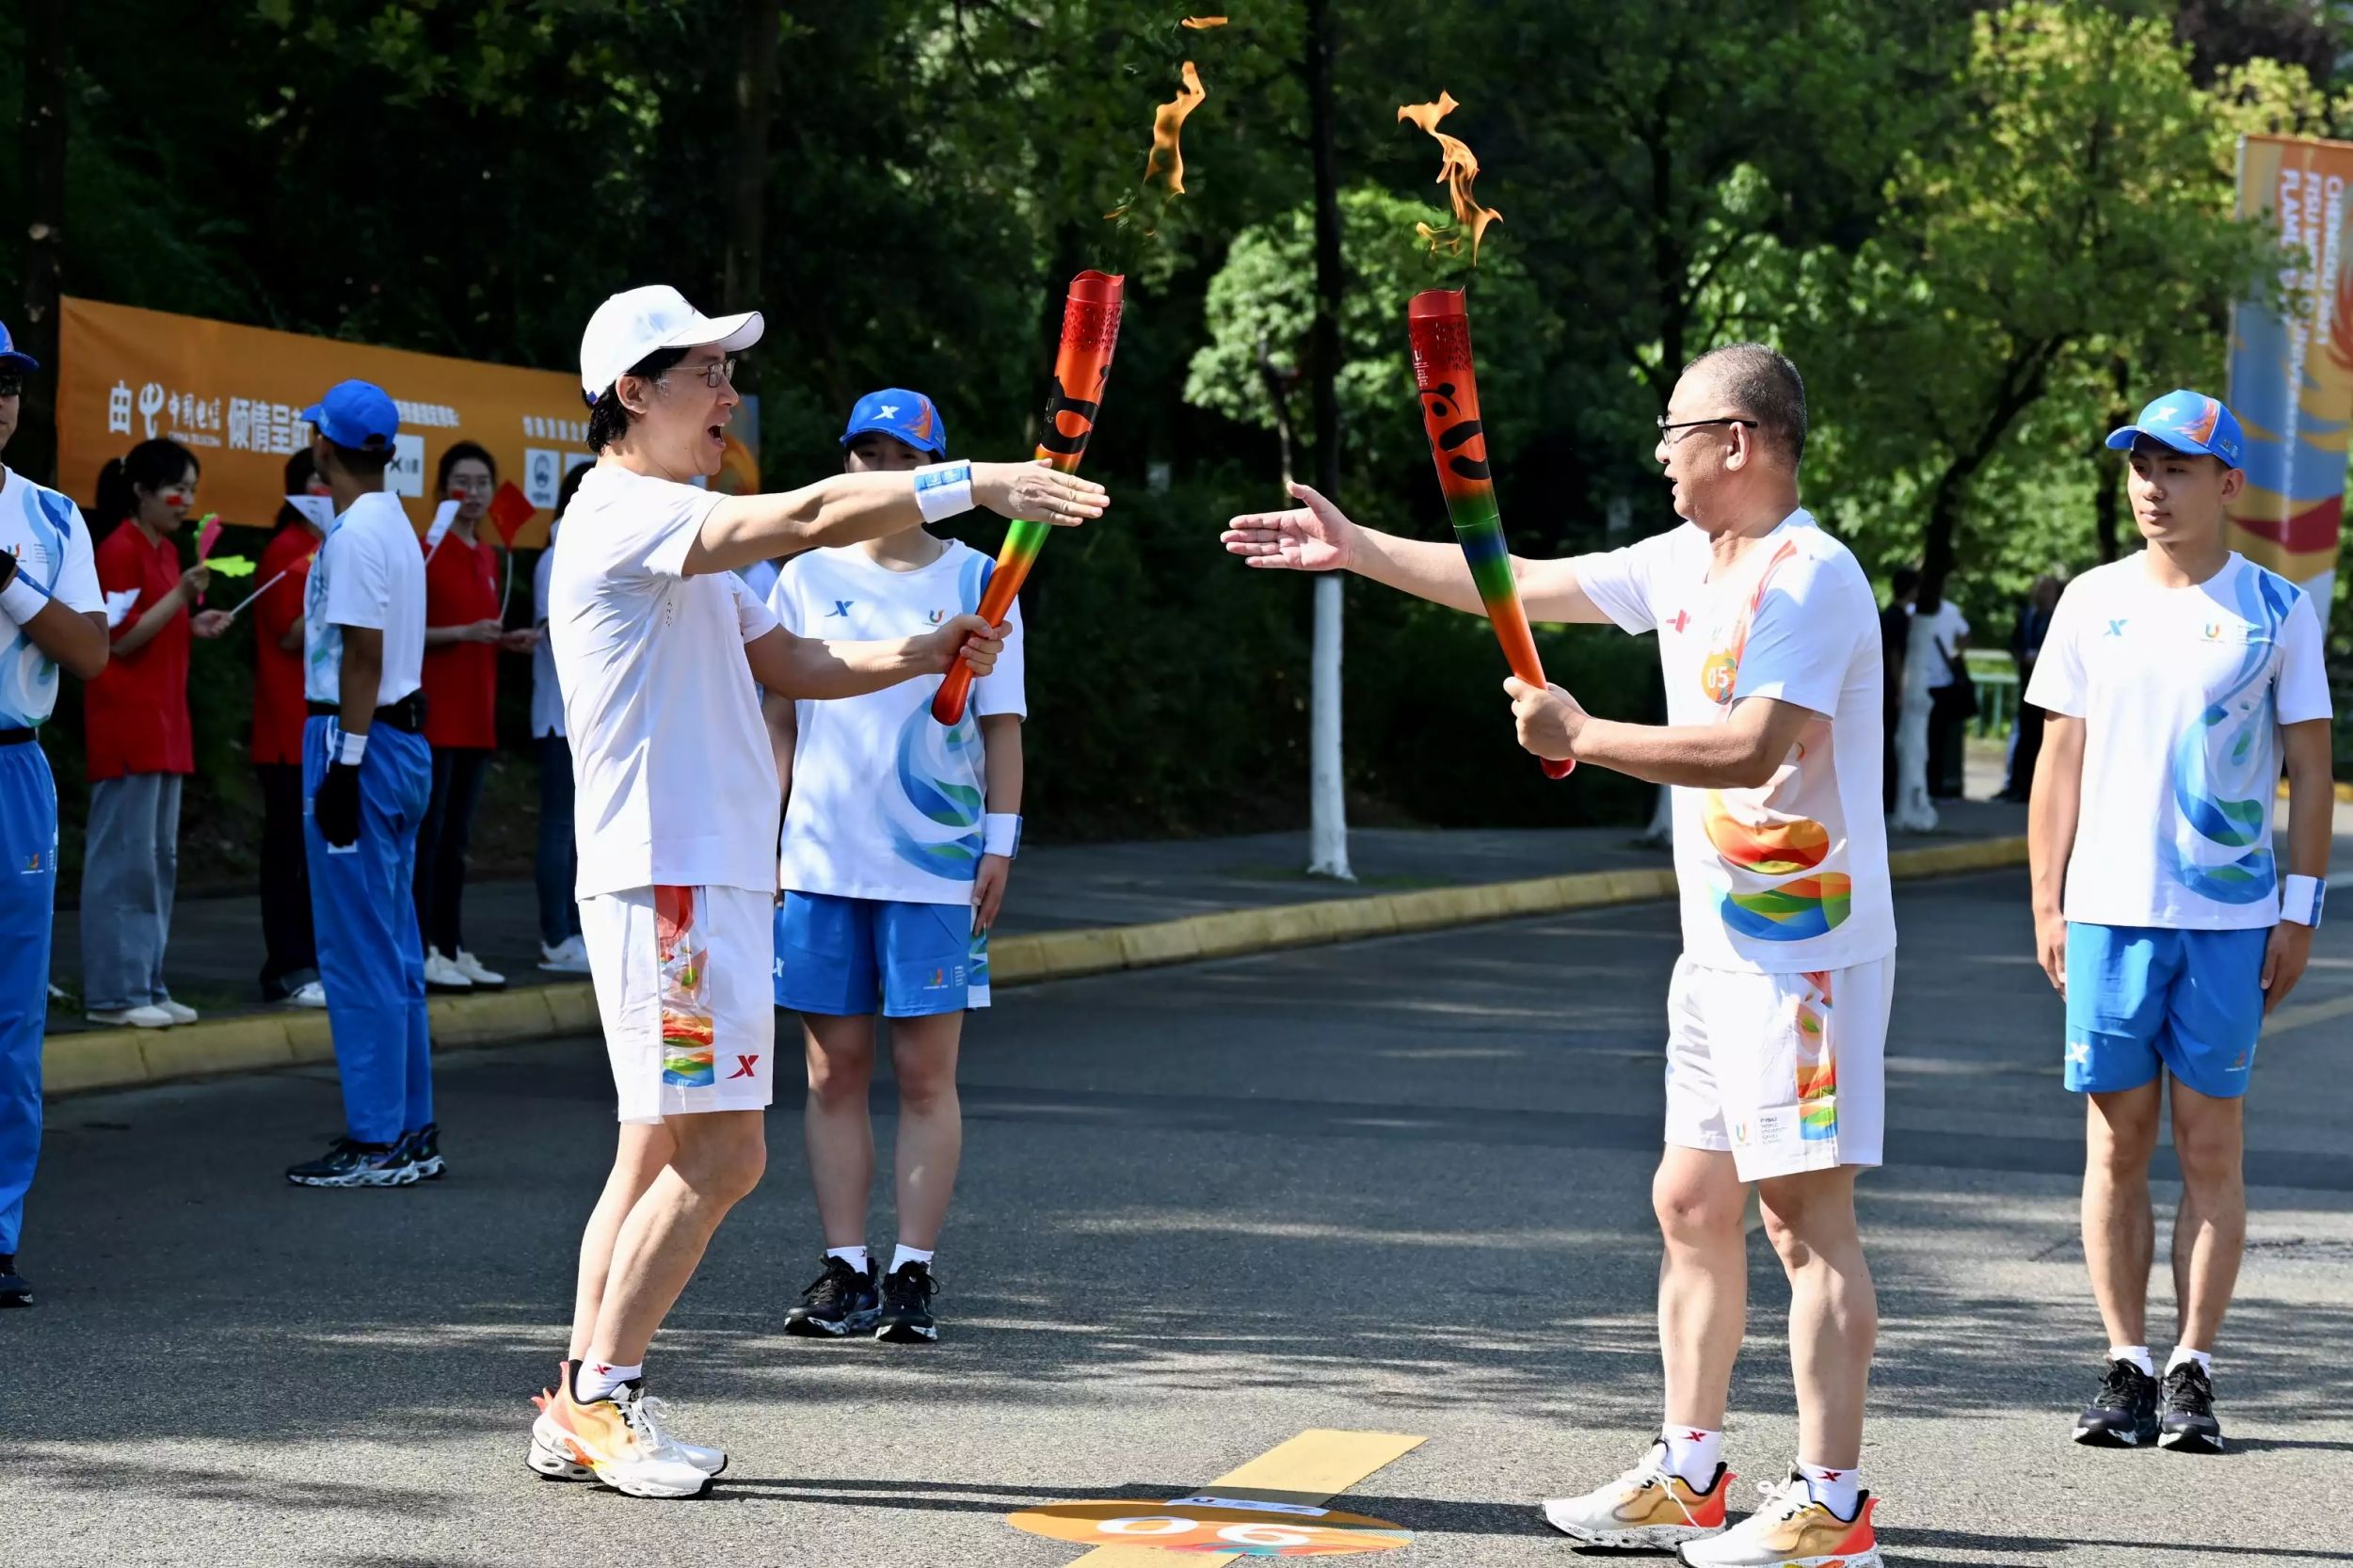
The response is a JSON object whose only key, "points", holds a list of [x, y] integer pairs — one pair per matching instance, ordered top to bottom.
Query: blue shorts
{"points": [[846, 957], [2139, 997]]}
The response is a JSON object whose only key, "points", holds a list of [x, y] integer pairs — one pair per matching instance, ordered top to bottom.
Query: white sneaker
{"points": [[568, 956], [474, 969], [443, 975], [311, 993], [179, 1014], [135, 1017], [616, 1440], [550, 1456], [1650, 1507], [1791, 1530]]}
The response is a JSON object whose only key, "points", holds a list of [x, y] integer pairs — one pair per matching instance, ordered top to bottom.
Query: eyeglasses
{"points": [[719, 373], [11, 386], [1666, 430]]}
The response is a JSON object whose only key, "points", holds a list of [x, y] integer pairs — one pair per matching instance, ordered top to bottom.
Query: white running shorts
{"points": [[682, 978], [1786, 1071]]}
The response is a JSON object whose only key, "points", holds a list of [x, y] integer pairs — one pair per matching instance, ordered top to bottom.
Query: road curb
{"points": [[124, 1058]]}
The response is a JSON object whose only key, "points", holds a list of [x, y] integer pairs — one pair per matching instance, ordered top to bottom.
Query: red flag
{"points": [[509, 510]]}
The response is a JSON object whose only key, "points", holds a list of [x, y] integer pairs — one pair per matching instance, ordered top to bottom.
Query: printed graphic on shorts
{"points": [[28, 677], [2224, 767], [1772, 842], [977, 965], [683, 980], [1817, 1064]]}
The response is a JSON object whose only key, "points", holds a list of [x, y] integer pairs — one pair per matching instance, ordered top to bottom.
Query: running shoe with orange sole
{"points": [[615, 1440], [1650, 1506], [1792, 1530]]}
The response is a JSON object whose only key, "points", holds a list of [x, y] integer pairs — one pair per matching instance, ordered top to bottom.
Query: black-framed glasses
{"points": [[719, 373], [1675, 429]]}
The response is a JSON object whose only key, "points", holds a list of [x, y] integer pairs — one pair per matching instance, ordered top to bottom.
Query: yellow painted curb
{"points": [[121, 1057]]}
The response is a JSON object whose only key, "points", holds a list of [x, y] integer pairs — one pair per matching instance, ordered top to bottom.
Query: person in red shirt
{"points": [[463, 632], [135, 729], [290, 962]]}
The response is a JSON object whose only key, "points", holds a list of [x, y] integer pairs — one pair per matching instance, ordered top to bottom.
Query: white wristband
{"points": [[943, 490], [23, 599], [355, 747], [1001, 834], [2301, 898]]}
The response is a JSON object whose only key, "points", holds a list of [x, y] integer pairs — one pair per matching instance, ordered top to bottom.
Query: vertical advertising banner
{"points": [[2292, 369], [234, 395]]}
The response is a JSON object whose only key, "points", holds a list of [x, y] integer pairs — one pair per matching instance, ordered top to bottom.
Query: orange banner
{"points": [[233, 395]]}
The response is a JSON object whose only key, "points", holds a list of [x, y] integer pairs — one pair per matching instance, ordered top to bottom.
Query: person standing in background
{"points": [[51, 615], [1895, 632], [1940, 632], [463, 635], [2025, 646], [137, 737], [557, 863], [290, 962]]}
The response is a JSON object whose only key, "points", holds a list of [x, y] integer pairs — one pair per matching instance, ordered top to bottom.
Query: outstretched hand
{"points": [[1037, 492], [1315, 537]]}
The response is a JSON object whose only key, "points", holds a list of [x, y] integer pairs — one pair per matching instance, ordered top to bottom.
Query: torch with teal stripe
{"points": [[1448, 382]]}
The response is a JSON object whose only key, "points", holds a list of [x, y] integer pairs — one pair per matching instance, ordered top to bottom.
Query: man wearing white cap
{"points": [[657, 645]]}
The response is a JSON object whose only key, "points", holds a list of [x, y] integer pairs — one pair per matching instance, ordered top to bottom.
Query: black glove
{"points": [[336, 806]]}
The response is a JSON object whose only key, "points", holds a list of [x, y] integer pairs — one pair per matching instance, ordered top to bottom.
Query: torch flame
{"points": [[1165, 163], [1457, 169]]}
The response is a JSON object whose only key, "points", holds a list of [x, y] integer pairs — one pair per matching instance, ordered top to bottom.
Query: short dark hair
{"points": [[1761, 383], [608, 420], [458, 452], [361, 462], [570, 486], [1903, 580]]}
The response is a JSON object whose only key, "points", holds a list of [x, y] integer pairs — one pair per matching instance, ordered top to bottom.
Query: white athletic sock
{"points": [[902, 1253], [854, 1257], [2183, 1353], [2137, 1355], [594, 1380], [1694, 1454], [1840, 1490]]}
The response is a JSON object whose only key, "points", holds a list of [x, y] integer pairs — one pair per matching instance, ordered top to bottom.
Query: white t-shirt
{"points": [[45, 532], [370, 572], [760, 577], [1924, 664], [2181, 692], [547, 693], [676, 784], [887, 803], [1790, 877]]}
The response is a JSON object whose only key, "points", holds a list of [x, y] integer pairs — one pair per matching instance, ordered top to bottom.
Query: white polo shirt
{"points": [[44, 531], [370, 572], [676, 785]]}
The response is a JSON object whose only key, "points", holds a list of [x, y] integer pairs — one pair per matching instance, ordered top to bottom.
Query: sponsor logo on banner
{"points": [[404, 473]]}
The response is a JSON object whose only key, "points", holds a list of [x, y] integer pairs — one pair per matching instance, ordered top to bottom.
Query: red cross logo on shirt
{"points": [[1682, 619], [743, 1066]]}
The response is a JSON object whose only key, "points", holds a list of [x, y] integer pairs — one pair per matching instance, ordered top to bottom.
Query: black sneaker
{"points": [[423, 1149], [348, 1163], [15, 1289], [838, 1301], [906, 1306], [2124, 1412], [2189, 1424]]}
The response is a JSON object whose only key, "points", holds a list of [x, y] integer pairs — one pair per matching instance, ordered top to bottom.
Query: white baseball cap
{"points": [[634, 324]]}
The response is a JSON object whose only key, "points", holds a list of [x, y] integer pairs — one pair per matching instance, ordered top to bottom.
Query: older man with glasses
{"points": [[1777, 1014]]}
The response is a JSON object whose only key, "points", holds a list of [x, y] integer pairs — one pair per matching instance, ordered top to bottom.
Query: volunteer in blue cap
{"points": [[51, 615], [2178, 681], [368, 775], [899, 838]]}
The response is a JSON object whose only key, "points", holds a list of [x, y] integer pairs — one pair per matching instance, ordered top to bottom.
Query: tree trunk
{"points": [[754, 104], [42, 148], [2107, 494], [1327, 792]]}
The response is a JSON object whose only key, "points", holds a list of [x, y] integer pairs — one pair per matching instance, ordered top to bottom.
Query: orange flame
{"points": [[1198, 23], [1166, 161], [1457, 169]]}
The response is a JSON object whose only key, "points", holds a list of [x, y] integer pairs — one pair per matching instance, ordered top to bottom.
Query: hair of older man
{"points": [[1759, 383]]}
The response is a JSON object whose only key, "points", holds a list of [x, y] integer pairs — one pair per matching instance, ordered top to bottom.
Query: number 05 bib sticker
{"points": [[1214, 1526]]}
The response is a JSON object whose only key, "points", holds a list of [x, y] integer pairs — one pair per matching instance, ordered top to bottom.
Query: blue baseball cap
{"points": [[11, 358], [896, 411], [355, 414], [2187, 422]]}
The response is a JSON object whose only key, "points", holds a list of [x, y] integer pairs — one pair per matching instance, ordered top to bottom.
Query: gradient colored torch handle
{"points": [[1089, 331], [1448, 383]]}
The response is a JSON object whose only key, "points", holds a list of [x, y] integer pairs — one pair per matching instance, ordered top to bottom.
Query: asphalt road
{"points": [[1398, 1186]]}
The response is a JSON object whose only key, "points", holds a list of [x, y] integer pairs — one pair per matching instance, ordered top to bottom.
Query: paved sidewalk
{"points": [[216, 942]]}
